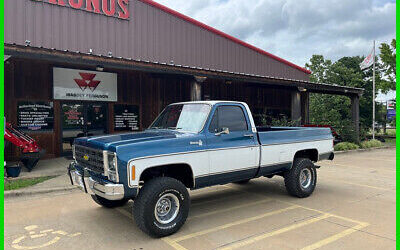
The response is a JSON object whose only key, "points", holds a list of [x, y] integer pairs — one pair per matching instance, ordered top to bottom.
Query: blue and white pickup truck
{"points": [[190, 146]]}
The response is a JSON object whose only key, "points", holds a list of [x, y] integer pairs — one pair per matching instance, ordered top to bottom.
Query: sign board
{"points": [[111, 8], [84, 85], [391, 114], [35, 115], [126, 117]]}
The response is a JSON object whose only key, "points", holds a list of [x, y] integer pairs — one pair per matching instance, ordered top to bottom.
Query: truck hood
{"points": [[111, 142]]}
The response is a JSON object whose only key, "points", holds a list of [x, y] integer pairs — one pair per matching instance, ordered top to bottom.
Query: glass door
{"points": [[80, 120]]}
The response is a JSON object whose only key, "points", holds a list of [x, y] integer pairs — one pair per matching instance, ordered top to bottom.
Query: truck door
{"points": [[233, 147]]}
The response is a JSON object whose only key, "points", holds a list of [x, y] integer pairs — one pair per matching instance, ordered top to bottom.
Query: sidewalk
{"points": [[52, 167]]}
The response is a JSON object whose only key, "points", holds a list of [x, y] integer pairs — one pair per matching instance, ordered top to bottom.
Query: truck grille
{"points": [[89, 158]]}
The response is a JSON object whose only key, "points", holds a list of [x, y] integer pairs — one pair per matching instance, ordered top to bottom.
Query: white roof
{"points": [[212, 103]]}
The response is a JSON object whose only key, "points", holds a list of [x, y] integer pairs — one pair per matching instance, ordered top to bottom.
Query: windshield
{"points": [[185, 117]]}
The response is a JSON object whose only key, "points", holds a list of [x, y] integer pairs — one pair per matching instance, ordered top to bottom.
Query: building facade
{"points": [[92, 67]]}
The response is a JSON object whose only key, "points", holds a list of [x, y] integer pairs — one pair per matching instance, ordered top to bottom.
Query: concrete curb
{"points": [[363, 150], [20, 193]]}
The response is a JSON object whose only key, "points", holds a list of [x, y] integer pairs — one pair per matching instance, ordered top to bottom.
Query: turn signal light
{"points": [[133, 173]]}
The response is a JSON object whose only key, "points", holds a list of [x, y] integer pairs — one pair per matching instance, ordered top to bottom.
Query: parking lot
{"points": [[353, 207]]}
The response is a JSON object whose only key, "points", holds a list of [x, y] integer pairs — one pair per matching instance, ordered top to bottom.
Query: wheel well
{"points": [[311, 154], [181, 172]]}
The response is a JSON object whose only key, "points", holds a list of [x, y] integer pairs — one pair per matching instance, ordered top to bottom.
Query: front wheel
{"points": [[301, 179], [162, 206]]}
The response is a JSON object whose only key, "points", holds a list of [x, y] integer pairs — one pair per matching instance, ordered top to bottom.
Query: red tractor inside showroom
{"points": [[30, 150]]}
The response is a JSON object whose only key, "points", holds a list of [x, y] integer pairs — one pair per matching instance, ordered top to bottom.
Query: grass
{"points": [[390, 142], [371, 144], [344, 146], [22, 183]]}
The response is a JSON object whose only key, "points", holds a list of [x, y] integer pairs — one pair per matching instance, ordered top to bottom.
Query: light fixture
{"points": [[99, 68], [228, 82], [302, 89]]}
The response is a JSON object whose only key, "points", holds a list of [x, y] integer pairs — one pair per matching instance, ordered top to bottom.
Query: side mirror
{"points": [[223, 131]]}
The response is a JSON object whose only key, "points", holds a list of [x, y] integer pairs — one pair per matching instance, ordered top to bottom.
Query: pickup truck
{"points": [[193, 145]]}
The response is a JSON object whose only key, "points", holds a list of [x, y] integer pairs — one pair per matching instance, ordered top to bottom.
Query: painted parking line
{"points": [[364, 168], [367, 186], [230, 209], [214, 229], [335, 237], [255, 239]]}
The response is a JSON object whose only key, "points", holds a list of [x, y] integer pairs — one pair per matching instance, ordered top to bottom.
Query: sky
{"points": [[297, 29]]}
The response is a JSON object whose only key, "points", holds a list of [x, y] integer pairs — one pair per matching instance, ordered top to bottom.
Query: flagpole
{"points": [[373, 97]]}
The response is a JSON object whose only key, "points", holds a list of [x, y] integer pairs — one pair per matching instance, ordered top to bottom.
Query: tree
{"points": [[388, 59], [335, 110]]}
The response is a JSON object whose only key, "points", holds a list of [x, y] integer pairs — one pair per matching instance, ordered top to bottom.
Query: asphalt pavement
{"points": [[353, 207]]}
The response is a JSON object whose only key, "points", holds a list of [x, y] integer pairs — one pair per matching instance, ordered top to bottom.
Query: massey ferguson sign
{"points": [[112, 8], [84, 85]]}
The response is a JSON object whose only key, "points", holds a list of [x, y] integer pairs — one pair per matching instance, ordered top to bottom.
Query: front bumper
{"points": [[87, 184]]}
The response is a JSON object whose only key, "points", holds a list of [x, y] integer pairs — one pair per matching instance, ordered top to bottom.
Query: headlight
{"points": [[112, 162], [111, 168]]}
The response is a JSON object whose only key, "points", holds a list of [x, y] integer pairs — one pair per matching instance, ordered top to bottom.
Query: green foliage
{"points": [[388, 59], [336, 110], [371, 144], [344, 146], [22, 183]]}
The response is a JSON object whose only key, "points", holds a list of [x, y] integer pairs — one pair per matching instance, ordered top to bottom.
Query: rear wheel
{"points": [[301, 179], [108, 203], [161, 207]]}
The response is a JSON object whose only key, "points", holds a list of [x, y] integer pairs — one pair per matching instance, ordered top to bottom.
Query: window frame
{"points": [[216, 113]]}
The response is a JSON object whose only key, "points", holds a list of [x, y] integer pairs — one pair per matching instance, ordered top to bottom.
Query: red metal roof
{"points": [[220, 33]]}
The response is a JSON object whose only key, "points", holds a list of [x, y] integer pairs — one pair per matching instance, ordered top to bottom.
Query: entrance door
{"points": [[82, 119]]}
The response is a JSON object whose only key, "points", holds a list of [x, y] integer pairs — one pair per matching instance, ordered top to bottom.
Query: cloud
{"points": [[295, 30]]}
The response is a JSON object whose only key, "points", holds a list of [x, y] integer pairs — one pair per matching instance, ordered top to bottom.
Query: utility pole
{"points": [[373, 98]]}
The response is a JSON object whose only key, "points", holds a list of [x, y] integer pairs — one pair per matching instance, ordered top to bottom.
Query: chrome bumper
{"points": [[88, 185]]}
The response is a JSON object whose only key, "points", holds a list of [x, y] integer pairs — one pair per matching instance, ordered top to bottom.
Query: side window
{"points": [[232, 117], [214, 123]]}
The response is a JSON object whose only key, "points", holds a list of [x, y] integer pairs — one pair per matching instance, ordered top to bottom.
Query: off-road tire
{"points": [[292, 178], [243, 182], [108, 203], [145, 204]]}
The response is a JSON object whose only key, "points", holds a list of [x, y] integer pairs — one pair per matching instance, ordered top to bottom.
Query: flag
{"points": [[368, 61]]}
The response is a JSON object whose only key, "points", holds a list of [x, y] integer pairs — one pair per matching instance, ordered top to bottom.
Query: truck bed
{"points": [[283, 135]]}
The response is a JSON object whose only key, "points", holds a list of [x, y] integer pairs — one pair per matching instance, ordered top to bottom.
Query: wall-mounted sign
{"points": [[112, 8], [84, 85], [35, 115], [126, 117]]}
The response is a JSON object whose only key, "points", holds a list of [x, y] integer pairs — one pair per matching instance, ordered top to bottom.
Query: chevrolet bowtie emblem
{"points": [[86, 157]]}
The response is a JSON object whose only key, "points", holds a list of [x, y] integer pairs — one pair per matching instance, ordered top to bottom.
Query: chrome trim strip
{"points": [[273, 144], [190, 152], [274, 164], [225, 172]]}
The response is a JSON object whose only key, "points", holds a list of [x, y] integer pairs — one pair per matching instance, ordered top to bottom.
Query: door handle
{"points": [[249, 135]]}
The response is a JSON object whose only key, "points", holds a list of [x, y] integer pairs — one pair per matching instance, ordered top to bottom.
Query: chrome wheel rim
{"points": [[305, 178], [167, 208]]}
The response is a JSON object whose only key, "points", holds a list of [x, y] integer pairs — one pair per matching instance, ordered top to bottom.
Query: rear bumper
{"points": [[87, 184]]}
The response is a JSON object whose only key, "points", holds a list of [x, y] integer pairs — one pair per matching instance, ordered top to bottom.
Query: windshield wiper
{"points": [[174, 128]]}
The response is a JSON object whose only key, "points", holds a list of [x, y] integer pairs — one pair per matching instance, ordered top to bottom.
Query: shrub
{"points": [[371, 144], [344, 146]]}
